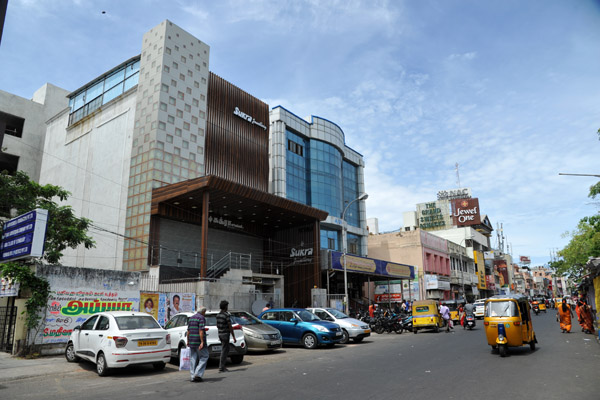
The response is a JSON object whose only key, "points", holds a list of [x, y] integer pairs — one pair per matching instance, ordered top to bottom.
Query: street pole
{"points": [[363, 196]]}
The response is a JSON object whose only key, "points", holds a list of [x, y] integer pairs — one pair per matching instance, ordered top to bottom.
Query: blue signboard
{"points": [[24, 236], [367, 265]]}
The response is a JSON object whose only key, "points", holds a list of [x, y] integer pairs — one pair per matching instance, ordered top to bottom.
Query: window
{"points": [[172, 101], [11, 124], [295, 148], [331, 243], [89, 324]]}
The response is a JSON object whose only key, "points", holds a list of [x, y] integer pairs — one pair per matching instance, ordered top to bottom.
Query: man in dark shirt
{"points": [[225, 330], [197, 345]]}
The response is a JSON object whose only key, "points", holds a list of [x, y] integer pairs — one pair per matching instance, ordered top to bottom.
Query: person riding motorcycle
{"points": [[469, 310]]}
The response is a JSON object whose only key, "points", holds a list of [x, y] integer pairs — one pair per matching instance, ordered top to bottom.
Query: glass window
{"points": [[132, 69], [114, 79], [131, 82], [94, 91], [112, 93], [501, 309], [102, 323], [89, 324]]}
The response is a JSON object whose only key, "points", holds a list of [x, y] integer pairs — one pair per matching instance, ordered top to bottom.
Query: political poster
{"points": [[180, 302], [149, 303], [68, 308]]}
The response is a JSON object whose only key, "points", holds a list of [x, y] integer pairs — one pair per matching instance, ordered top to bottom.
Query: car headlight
{"points": [[320, 328], [253, 335]]}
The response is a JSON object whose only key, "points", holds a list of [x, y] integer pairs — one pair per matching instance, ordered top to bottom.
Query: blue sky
{"points": [[509, 90]]}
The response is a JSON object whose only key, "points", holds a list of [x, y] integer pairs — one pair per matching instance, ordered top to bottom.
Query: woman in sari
{"points": [[565, 314], [587, 320]]}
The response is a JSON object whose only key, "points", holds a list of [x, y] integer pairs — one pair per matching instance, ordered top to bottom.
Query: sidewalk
{"points": [[13, 368]]}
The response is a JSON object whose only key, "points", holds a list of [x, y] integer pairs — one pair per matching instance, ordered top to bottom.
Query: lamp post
{"points": [[363, 196]]}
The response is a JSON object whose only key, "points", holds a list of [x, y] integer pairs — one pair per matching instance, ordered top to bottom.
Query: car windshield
{"points": [[501, 309], [336, 313], [307, 316], [244, 318], [130, 322]]}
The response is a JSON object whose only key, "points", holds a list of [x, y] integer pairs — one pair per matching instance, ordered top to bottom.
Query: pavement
{"points": [[14, 368]]}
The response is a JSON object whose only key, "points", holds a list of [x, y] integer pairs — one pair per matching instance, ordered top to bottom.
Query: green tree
{"points": [[18, 195]]}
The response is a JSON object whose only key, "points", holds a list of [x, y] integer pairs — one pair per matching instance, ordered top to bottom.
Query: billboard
{"points": [[465, 212], [434, 215], [24, 236], [525, 259], [371, 266], [502, 272]]}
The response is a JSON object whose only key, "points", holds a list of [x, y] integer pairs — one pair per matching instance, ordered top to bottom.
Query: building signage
{"points": [[248, 118], [464, 193], [465, 212], [433, 215], [224, 222], [24, 236], [301, 252], [525, 259], [371, 266], [432, 282], [490, 282]]}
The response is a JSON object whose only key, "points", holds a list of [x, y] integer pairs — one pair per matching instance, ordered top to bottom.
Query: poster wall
{"points": [[149, 303], [68, 308]]}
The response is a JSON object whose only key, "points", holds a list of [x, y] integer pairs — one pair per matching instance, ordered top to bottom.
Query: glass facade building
{"points": [[311, 164]]}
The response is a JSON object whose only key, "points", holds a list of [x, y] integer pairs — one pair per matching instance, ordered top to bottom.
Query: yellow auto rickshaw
{"points": [[541, 302], [453, 306], [426, 315], [507, 322]]}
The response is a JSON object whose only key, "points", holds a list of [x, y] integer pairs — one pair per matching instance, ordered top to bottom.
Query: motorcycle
{"points": [[536, 309], [469, 321], [406, 323]]}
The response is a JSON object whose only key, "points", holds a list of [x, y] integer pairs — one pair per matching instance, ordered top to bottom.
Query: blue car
{"points": [[299, 326]]}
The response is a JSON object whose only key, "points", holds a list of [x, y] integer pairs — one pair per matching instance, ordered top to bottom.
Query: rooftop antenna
{"points": [[457, 174]]}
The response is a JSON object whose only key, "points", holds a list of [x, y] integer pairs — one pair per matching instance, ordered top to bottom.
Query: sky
{"points": [[508, 90]]}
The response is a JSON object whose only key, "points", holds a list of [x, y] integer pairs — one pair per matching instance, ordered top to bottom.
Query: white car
{"points": [[479, 308], [177, 327], [351, 328], [118, 339]]}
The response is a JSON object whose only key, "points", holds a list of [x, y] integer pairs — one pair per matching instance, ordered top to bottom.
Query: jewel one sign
{"points": [[466, 212]]}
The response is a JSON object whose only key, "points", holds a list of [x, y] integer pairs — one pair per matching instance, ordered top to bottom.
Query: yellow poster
{"points": [[597, 295], [149, 303]]}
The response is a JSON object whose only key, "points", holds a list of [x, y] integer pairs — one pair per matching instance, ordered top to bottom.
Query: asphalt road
{"points": [[456, 365]]}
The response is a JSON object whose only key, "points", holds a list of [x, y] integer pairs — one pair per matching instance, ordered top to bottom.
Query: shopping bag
{"points": [[451, 323], [184, 359]]}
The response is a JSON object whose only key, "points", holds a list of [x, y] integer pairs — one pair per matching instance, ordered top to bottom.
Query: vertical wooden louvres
{"points": [[236, 146]]}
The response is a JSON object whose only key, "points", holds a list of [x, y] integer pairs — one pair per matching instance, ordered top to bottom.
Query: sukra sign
{"points": [[248, 118], [301, 253]]}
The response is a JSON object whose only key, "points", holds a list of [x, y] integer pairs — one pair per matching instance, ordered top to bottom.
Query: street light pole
{"points": [[363, 196]]}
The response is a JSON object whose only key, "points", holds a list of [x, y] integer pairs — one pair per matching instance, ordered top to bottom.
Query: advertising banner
{"points": [[465, 212], [434, 215], [24, 236], [371, 266], [502, 271], [433, 282], [490, 282], [9, 288], [180, 302], [149, 303], [68, 308]]}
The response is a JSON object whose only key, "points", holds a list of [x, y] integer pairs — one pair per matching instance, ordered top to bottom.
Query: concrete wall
{"points": [[46, 102], [91, 160]]}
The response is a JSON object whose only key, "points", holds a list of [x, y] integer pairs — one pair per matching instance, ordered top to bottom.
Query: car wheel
{"points": [[345, 337], [358, 339], [309, 341], [70, 353], [237, 359], [159, 366], [101, 367]]}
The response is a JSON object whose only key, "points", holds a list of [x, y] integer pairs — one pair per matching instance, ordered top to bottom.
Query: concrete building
{"points": [[23, 128], [429, 253]]}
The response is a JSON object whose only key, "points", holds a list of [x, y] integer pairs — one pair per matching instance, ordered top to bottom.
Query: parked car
{"points": [[479, 308], [300, 326], [177, 327], [351, 328], [259, 336], [118, 339]]}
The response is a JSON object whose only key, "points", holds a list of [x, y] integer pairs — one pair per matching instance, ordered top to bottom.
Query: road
{"points": [[456, 365]]}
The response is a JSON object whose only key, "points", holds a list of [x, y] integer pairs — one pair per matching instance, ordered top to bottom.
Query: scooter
{"points": [[536, 309], [469, 321]]}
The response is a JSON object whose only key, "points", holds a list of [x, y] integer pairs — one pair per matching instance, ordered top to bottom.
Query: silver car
{"points": [[351, 328], [259, 336]]}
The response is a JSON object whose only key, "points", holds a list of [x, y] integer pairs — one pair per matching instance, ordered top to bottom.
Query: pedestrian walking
{"points": [[445, 311], [564, 315], [587, 318], [225, 332], [197, 345]]}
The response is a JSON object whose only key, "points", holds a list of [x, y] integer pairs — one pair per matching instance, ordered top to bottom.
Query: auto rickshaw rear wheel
{"points": [[532, 345], [503, 350]]}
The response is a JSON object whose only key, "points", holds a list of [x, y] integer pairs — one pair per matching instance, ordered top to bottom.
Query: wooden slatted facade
{"points": [[236, 148]]}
